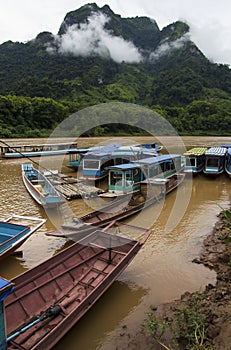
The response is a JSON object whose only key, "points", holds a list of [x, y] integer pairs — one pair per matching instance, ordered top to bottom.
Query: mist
{"points": [[92, 38], [167, 47]]}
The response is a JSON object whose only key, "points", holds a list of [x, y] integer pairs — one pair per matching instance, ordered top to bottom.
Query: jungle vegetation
{"points": [[39, 88]]}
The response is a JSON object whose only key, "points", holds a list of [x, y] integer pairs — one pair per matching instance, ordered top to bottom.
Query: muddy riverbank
{"points": [[215, 300]]}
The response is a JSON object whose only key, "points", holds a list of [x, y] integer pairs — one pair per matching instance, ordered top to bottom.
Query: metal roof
{"points": [[196, 151], [216, 151], [157, 159], [123, 167]]}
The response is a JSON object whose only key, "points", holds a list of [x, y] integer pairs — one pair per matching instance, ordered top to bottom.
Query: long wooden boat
{"points": [[8, 151], [227, 158], [194, 160], [215, 161], [228, 162], [96, 163], [94, 167], [127, 178], [39, 187], [120, 209], [14, 232], [49, 299]]}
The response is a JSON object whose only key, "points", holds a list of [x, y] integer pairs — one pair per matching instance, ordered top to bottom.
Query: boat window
{"points": [[74, 157], [119, 161], [190, 161], [177, 162], [212, 162], [90, 164], [162, 165], [168, 166], [153, 171], [115, 177], [128, 183]]}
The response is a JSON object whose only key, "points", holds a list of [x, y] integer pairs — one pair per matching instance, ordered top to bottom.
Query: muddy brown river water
{"points": [[161, 271]]}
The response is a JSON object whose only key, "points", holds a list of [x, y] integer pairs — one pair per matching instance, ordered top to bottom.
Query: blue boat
{"points": [[153, 145], [8, 151], [76, 156], [195, 160], [215, 161], [228, 162], [96, 164], [160, 167], [127, 178], [123, 179], [39, 187], [13, 235], [6, 287]]}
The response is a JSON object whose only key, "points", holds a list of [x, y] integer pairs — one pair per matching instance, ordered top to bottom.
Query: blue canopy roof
{"points": [[226, 145], [216, 151], [157, 159], [123, 167], [6, 288]]}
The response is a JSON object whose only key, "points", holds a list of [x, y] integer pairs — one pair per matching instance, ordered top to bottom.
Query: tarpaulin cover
{"points": [[6, 288]]}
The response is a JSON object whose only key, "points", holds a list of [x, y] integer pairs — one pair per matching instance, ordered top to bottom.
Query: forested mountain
{"points": [[99, 56]]}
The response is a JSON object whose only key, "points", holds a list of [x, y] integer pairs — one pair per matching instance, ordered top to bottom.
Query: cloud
{"points": [[92, 38], [213, 39], [167, 47]]}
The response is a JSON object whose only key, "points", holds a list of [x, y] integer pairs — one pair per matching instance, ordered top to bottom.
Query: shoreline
{"points": [[215, 299]]}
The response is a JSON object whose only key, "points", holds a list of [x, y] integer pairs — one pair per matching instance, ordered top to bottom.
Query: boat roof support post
{"points": [[109, 250], [6, 288]]}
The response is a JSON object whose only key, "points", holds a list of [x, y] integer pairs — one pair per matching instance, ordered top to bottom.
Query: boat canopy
{"points": [[226, 145], [196, 151], [216, 151], [97, 154], [157, 159], [123, 167]]}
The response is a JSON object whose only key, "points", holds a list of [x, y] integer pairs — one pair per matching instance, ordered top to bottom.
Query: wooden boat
{"points": [[8, 151], [96, 157], [227, 158], [194, 160], [215, 161], [228, 162], [96, 163], [127, 178], [39, 187], [120, 209], [14, 232], [6, 288], [49, 299]]}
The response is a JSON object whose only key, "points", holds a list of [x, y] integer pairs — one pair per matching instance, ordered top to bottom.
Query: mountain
{"points": [[98, 56]]}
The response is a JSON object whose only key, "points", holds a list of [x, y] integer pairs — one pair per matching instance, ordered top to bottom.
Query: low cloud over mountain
{"points": [[92, 38]]}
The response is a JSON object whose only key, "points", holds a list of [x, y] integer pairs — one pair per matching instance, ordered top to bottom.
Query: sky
{"points": [[209, 20]]}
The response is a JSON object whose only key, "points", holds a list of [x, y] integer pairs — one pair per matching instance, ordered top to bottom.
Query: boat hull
{"points": [[40, 150], [228, 171], [213, 173], [47, 198], [120, 209], [13, 235], [58, 292]]}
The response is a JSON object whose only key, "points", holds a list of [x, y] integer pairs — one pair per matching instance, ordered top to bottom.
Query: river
{"points": [[161, 271]]}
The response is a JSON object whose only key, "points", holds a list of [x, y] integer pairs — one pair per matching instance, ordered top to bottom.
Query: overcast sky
{"points": [[209, 20]]}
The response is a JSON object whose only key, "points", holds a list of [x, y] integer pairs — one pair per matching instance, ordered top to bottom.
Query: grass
{"points": [[185, 330]]}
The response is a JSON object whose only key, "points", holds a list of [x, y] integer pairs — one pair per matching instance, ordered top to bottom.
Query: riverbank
{"points": [[215, 300]]}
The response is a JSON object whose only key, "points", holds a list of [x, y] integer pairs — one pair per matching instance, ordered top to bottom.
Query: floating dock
{"points": [[71, 188]]}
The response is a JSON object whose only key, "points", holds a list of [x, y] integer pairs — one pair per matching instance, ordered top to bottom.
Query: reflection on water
{"points": [[161, 271], [116, 304]]}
